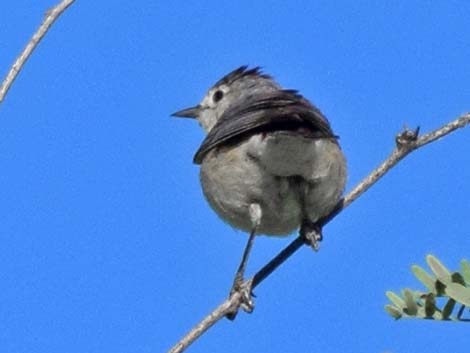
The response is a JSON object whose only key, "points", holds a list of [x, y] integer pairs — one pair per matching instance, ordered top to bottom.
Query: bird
{"points": [[270, 163]]}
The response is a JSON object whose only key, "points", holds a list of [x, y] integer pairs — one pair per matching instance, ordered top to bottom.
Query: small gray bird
{"points": [[270, 162]]}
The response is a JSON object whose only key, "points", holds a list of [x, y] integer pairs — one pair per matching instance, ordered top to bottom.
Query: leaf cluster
{"points": [[446, 290]]}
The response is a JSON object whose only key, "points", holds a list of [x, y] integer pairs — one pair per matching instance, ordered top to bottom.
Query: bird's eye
{"points": [[218, 95]]}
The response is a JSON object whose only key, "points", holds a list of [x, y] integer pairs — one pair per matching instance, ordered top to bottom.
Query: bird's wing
{"points": [[278, 110]]}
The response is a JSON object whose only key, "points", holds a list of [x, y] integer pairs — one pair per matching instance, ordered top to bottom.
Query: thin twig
{"points": [[51, 16], [407, 141], [401, 152], [228, 306]]}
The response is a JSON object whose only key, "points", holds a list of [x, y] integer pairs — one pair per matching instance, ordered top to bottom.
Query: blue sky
{"points": [[107, 243]]}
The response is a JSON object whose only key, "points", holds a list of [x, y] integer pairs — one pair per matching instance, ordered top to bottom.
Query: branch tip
{"points": [[407, 138]]}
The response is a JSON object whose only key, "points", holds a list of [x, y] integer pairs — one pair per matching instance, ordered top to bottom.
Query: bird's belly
{"points": [[232, 180], [291, 181]]}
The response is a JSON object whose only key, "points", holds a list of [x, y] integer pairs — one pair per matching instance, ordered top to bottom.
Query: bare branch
{"points": [[51, 16], [407, 141], [228, 306]]}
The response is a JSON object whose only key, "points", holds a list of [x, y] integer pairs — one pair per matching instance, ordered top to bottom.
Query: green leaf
{"points": [[465, 270], [441, 272], [425, 278], [458, 278], [440, 288], [458, 292], [395, 299], [430, 305], [411, 307], [448, 308], [393, 311], [420, 314], [437, 315]]}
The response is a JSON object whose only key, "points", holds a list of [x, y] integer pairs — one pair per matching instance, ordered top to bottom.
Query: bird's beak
{"points": [[192, 112]]}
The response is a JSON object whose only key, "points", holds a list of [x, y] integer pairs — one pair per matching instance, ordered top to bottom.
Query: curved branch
{"points": [[51, 16], [406, 142]]}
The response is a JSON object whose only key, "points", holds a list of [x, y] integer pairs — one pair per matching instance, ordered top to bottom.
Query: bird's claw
{"points": [[312, 235], [246, 303]]}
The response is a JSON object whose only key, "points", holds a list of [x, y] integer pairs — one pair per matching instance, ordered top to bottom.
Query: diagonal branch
{"points": [[51, 16], [406, 142]]}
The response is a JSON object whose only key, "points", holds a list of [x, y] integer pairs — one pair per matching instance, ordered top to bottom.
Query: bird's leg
{"points": [[312, 234], [238, 283]]}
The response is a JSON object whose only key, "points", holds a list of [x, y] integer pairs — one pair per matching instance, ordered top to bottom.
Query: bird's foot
{"points": [[312, 234], [245, 290]]}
